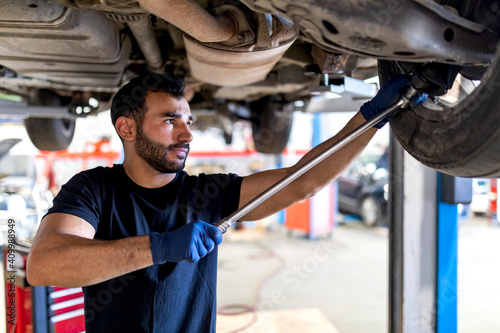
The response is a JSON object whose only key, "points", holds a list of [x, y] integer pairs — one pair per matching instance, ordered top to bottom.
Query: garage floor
{"points": [[340, 284]]}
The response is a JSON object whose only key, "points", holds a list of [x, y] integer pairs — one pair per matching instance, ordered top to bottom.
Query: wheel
{"points": [[271, 126], [50, 133], [457, 133], [370, 210]]}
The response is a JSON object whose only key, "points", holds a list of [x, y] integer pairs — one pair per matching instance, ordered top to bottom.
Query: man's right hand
{"points": [[190, 242]]}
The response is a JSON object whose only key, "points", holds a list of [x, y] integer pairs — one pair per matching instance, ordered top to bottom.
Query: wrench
{"points": [[401, 103]]}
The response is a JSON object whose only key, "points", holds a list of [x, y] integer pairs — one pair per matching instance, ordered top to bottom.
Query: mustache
{"points": [[179, 145]]}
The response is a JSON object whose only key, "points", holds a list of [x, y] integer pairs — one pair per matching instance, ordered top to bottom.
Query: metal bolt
{"points": [[242, 37]]}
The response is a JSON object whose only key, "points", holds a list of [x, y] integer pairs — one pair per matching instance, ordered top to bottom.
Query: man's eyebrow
{"points": [[175, 115]]}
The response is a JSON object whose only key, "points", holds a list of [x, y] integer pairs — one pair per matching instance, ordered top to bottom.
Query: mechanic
{"points": [[139, 236]]}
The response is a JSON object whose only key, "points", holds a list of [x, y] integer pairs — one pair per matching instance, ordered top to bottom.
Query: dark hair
{"points": [[129, 100]]}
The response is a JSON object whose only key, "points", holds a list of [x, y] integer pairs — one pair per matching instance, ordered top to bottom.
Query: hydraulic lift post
{"points": [[423, 237]]}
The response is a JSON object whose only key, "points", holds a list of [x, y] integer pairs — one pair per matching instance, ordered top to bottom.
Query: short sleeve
{"points": [[230, 192], [214, 196], [80, 197]]}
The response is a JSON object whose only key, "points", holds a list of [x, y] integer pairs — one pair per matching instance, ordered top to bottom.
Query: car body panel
{"points": [[357, 183]]}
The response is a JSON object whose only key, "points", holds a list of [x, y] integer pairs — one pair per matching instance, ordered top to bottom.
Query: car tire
{"points": [[271, 125], [50, 134], [458, 139], [370, 211]]}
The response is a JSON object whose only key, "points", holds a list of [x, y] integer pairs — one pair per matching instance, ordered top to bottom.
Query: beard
{"points": [[155, 153]]}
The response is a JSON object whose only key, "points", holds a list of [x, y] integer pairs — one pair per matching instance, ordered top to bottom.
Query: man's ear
{"points": [[126, 128]]}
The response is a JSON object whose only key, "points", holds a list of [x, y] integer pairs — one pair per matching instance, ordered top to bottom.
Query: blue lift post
{"points": [[452, 191], [447, 268]]}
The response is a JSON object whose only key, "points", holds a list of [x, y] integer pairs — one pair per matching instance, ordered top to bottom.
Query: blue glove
{"points": [[386, 96], [190, 242]]}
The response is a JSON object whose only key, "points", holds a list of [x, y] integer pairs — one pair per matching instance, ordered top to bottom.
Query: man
{"points": [[139, 237]]}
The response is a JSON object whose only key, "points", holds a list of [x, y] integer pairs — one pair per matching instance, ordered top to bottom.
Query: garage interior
{"points": [[392, 245], [274, 277]]}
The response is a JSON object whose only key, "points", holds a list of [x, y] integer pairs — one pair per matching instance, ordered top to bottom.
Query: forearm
{"points": [[343, 157], [335, 164], [330, 168], [310, 182], [73, 261]]}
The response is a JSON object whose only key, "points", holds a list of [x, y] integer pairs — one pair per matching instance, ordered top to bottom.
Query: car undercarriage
{"points": [[253, 59]]}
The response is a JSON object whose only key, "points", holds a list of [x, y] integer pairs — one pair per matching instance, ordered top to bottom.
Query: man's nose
{"points": [[185, 134]]}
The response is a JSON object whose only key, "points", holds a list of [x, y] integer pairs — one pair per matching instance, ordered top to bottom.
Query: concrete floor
{"points": [[479, 277], [340, 284]]}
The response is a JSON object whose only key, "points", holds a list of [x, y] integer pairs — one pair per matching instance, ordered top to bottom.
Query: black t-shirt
{"points": [[172, 297]]}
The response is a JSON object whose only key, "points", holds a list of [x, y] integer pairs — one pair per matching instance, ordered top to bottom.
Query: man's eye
{"points": [[170, 121]]}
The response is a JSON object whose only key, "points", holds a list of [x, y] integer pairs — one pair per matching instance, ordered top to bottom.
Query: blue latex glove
{"points": [[388, 95], [190, 242]]}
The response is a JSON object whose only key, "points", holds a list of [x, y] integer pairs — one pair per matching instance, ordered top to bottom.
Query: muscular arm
{"points": [[309, 183], [64, 254]]}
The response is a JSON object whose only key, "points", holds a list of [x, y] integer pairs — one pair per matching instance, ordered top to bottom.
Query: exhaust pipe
{"points": [[192, 19], [141, 28], [144, 34], [226, 49]]}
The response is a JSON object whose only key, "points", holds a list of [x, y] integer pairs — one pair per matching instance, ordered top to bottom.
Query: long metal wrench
{"points": [[401, 103]]}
